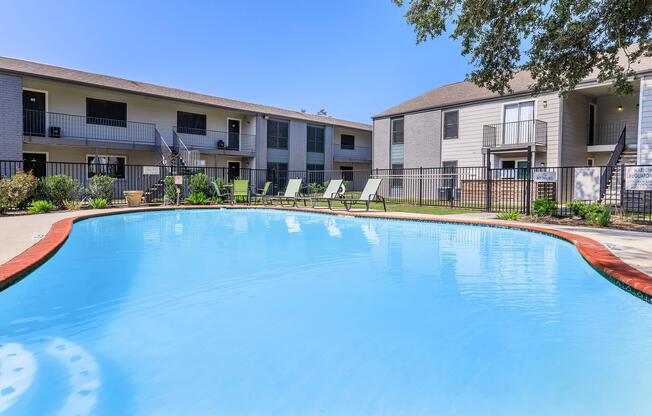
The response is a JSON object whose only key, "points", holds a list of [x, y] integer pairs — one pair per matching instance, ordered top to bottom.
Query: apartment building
{"points": [[55, 114], [463, 125]]}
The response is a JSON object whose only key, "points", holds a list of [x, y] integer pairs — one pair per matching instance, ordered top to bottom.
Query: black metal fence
{"points": [[476, 188]]}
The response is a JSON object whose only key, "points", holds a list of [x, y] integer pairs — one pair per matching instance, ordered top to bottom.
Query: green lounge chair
{"points": [[241, 188], [219, 193], [263, 193], [291, 193], [330, 193], [369, 194]]}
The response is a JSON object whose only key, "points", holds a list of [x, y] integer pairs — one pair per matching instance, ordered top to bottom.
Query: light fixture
{"points": [[545, 104], [620, 108], [266, 117]]}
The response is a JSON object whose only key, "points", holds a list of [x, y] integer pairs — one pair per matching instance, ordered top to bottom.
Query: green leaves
{"points": [[560, 42]]}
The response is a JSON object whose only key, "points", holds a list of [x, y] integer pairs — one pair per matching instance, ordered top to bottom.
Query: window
{"points": [[106, 113], [191, 123], [518, 123], [451, 124], [397, 130], [277, 134], [315, 139], [347, 141], [590, 161], [113, 166], [514, 169], [277, 173], [347, 173], [397, 175]]}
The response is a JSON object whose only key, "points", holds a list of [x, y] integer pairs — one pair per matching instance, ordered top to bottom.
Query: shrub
{"points": [[199, 182], [102, 187], [58, 188], [317, 188], [169, 190], [17, 191], [197, 198], [98, 203], [72, 204], [38, 207], [544, 207], [576, 207], [596, 214], [512, 215]]}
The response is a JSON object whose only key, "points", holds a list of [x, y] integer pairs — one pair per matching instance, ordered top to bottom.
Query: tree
{"points": [[562, 41]]}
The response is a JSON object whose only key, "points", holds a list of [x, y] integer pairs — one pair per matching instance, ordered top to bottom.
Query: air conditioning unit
{"points": [[54, 131]]}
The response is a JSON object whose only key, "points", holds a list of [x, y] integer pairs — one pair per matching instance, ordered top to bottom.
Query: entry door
{"points": [[33, 113], [591, 124], [234, 134], [35, 163], [233, 170]]}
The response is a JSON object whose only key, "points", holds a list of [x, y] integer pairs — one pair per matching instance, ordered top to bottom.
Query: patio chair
{"points": [[241, 188], [219, 193], [263, 193], [291, 193], [330, 193], [369, 194]]}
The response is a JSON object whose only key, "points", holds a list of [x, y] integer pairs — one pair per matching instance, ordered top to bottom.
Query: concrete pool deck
{"points": [[22, 232]]}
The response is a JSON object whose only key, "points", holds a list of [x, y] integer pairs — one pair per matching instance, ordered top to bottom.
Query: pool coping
{"points": [[595, 253]]}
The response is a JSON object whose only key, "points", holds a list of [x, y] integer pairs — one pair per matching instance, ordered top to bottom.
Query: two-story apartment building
{"points": [[55, 114], [459, 124]]}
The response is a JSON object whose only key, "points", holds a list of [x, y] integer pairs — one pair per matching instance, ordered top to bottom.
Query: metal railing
{"points": [[69, 126], [515, 133], [604, 133], [220, 140], [357, 154], [608, 173], [476, 188]]}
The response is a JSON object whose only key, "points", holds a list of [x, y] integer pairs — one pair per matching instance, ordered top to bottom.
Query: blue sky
{"points": [[353, 58]]}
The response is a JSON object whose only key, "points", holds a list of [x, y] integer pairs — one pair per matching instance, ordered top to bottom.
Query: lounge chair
{"points": [[241, 188], [217, 192], [291, 193], [330, 193], [263, 194], [368, 195]]}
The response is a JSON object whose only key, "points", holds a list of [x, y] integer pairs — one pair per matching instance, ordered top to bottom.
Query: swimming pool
{"points": [[274, 312]]}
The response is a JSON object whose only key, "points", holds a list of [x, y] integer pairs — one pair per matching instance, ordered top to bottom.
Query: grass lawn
{"points": [[415, 209]]}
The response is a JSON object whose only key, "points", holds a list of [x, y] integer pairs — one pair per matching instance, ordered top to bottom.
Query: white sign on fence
{"points": [[151, 170], [542, 176], [638, 178], [178, 180], [587, 184]]}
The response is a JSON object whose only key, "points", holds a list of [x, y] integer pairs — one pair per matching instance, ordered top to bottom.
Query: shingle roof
{"points": [[71, 75], [466, 91]]}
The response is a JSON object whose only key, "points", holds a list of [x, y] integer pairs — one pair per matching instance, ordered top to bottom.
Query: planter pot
{"points": [[133, 198]]}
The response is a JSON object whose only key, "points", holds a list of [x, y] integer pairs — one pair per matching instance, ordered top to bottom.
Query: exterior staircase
{"points": [[614, 190]]}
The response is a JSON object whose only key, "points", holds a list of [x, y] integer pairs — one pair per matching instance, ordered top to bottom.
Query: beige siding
{"points": [[548, 110], [607, 113], [575, 119], [645, 129], [422, 140], [381, 144], [362, 148], [79, 154]]}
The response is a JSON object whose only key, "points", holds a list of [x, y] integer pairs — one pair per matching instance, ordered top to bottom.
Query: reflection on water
{"points": [[198, 312]]}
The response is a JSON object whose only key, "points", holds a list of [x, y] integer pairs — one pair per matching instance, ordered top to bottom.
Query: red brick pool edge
{"points": [[595, 253]]}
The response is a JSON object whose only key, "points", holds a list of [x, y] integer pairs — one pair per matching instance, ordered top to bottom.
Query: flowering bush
{"points": [[17, 192]]}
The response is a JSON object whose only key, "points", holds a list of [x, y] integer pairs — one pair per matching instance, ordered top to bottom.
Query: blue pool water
{"points": [[269, 312]]}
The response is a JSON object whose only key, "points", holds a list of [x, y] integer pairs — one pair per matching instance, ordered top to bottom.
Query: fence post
{"points": [[528, 183], [420, 185], [487, 185]]}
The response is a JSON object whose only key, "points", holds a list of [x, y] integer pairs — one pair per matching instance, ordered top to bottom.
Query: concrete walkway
{"points": [[17, 233]]}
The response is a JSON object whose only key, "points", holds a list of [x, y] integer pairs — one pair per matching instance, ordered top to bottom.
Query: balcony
{"points": [[48, 127], [515, 134], [605, 134], [217, 141], [361, 154]]}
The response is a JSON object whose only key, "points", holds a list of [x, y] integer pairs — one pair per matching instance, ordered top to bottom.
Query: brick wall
{"points": [[11, 119]]}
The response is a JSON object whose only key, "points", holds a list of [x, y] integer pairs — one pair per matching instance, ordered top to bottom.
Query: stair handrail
{"points": [[182, 150], [167, 156], [613, 160]]}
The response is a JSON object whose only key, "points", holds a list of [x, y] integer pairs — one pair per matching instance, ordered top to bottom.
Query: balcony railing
{"points": [[69, 126], [515, 133], [604, 133], [220, 140], [357, 154]]}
